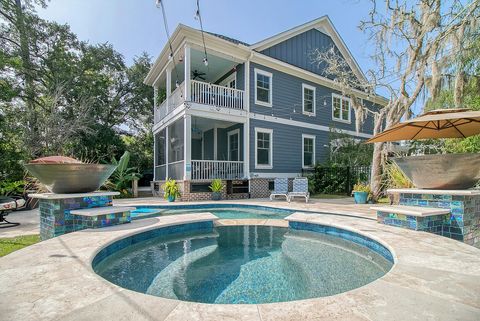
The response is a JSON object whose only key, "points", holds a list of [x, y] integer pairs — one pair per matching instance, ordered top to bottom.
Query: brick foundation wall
{"points": [[259, 188], [187, 196]]}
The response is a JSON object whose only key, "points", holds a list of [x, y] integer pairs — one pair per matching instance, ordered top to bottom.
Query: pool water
{"points": [[227, 212], [243, 264]]}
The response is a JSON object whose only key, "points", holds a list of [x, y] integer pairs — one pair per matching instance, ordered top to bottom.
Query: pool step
{"points": [[411, 210], [98, 211], [98, 217], [427, 219]]}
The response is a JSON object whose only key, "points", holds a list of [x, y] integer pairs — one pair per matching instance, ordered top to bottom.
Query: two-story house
{"points": [[247, 113]]}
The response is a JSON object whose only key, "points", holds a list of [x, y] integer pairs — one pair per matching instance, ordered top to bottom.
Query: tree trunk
{"points": [[32, 131], [376, 172]]}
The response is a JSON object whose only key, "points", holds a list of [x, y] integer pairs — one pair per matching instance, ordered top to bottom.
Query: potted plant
{"points": [[216, 187], [170, 190], [361, 192]]}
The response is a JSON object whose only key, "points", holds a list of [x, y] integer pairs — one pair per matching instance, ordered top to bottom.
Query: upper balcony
{"points": [[187, 78]]}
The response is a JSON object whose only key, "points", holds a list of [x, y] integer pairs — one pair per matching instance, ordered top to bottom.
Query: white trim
{"points": [[270, 89], [342, 98], [218, 113], [308, 113], [296, 123], [231, 133], [303, 150], [270, 152], [254, 175]]}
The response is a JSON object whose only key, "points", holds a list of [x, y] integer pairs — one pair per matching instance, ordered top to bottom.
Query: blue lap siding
{"points": [[287, 101], [287, 146]]}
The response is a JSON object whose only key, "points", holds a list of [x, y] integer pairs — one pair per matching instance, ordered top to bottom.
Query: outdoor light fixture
{"points": [[205, 61], [176, 84]]}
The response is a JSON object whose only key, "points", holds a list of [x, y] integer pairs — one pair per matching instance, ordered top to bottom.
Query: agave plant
{"points": [[122, 177]]}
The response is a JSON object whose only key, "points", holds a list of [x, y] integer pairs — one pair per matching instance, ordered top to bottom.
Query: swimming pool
{"points": [[222, 211], [239, 264]]}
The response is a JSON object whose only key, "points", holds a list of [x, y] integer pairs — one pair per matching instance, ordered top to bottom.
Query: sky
{"points": [[134, 26]]}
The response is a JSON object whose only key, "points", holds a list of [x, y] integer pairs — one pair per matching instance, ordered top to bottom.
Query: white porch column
{"points": [[186, 60], [168, 84], [155, 99], [246, 126], [187, 136], [167, 142], [215, 147], [246, 149], [154, 156]]}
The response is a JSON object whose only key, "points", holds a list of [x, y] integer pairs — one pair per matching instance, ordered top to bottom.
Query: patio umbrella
{"points": [[441, 123]]}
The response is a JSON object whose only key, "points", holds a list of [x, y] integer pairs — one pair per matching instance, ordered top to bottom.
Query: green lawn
{"points": [[328, 196], [9, 245]]}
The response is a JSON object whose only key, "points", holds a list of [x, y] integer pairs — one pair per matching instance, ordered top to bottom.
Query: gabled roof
{"points": [[324, 25], [232, 40]]}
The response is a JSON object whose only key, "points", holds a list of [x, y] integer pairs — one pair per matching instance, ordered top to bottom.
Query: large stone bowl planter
{"points": [[441, 171], [68, 178]]}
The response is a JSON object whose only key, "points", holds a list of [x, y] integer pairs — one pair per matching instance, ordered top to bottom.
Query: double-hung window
{"points": [[263, 88], [308, 100], [341, 108], [263, 148], [308, 151]]}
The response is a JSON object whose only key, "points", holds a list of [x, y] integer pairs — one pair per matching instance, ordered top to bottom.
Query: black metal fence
{"points": [[336, 179]]}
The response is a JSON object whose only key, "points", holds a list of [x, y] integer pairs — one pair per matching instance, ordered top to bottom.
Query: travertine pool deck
{"points": [[434, 278]]}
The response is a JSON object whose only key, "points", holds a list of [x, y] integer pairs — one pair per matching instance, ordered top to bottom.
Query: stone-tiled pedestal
{"points": [[56, 217], [463, 223]]}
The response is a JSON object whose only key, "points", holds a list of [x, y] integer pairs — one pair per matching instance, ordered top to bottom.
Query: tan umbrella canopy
{"points": [[440, 123]]}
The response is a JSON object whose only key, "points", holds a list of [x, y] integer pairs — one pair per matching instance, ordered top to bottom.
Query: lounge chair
{"points": [[280, 188], [300, 189], [7, 205]]}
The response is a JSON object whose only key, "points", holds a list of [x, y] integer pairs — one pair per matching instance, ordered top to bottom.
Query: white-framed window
{"points": [[263, 88], [308, 100], [341, 108], [234, 145], [263, 148], [308, 151]]}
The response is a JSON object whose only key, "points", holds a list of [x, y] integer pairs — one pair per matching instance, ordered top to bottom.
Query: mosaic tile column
{"points": [[55, 217], [463, 224]]}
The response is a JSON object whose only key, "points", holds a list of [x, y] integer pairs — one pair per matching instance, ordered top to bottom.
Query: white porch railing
{"points": [[202, 93], [214, 95], [168, 105], [211, 169]]}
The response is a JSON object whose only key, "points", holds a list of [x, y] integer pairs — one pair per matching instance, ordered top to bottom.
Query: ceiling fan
{"points": [[196, 74]]}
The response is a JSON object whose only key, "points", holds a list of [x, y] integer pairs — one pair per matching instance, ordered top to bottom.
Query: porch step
{"points": [[411, 210], [98, 211]]}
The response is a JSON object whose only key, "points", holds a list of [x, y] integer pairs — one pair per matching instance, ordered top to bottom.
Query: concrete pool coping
{"points": [[433, 278]]}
